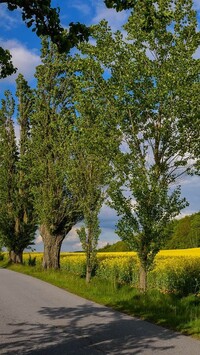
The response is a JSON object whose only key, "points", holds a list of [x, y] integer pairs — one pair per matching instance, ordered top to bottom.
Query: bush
{"points": [[32, 261], [182, 279]]}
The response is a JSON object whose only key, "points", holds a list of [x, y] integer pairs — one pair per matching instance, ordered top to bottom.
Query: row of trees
{"points": [[118, 120], [184, 233], [181, 234]]}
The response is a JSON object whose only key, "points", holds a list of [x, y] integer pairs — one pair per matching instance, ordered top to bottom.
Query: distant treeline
{"points": [[181, 234]]}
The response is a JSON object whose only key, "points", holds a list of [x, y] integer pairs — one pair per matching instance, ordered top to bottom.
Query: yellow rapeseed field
{"points": [[164, 258], [173, 270]]}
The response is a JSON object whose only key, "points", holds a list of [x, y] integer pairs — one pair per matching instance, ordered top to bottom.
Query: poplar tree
{"points": [[162, 64], [152, 72], [93, 142], [8, 176], [56, 208], [17, 220], [26, 223]]}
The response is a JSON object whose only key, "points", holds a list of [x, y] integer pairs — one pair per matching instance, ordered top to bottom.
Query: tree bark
{"points": [[52, 246], [89, 256], [16, 257], [88, 273], [143, 279]]}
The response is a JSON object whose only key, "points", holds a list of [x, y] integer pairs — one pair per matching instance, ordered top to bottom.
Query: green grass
{"points": [[168, 310]]}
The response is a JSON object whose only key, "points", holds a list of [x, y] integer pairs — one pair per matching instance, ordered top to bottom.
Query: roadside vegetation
{"points": [[173, 297]]}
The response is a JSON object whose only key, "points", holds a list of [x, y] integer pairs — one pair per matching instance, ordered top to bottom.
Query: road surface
{"points": [[38, 318]]}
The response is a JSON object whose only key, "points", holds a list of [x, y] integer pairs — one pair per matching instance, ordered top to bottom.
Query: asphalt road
{"points": [[38, 318]]}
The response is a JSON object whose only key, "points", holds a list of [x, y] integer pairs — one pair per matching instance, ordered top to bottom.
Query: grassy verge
{"points": [[181, 314]]}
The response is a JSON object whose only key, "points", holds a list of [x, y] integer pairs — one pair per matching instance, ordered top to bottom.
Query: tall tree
{"points": [[45, 21], [153, 72], [93, 141], [9, 157], [56, 207], [25, 219], [17, 222]]}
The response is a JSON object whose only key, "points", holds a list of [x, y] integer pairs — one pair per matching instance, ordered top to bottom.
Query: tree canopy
{"points": [[45, 21], [152, 75], [93, 142], [55, 205], [17, 219]]}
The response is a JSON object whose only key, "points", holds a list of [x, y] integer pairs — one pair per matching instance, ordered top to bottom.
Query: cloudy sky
{"points": [[25, 49]]}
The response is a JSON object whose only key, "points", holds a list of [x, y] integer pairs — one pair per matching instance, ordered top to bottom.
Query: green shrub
{"points": [[32, 261], [183, 280]]}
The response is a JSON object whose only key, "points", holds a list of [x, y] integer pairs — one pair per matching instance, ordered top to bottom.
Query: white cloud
{"points": [[196, 4], [84, 8], [115, 19], [7, 20], [23, 58], [72, 235], [38, 240], [71, 241], [102, 243]]}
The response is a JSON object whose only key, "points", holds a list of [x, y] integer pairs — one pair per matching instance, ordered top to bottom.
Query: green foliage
{"points": [[120, 5], [45, 21], [6, 66], [150, 85], [93, 140], [8, 176], [54, 203], [17, 222], [185, 233], [116, 247], [32, 261], [75, 266], [118, 271], [183, 280]]}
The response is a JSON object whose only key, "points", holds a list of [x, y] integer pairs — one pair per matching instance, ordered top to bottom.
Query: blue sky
{"points": [[25, 48]]}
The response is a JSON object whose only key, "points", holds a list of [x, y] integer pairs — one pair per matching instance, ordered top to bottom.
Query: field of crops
{"points": [[174, 271]]}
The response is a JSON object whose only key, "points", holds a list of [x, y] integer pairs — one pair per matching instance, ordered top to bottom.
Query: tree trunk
{"points": [[52, 246], [89, 252], [16, 257], [88, 273], [143, 279]]}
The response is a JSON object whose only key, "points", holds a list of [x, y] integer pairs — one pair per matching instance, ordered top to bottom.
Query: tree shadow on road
{"points": [[86, 329]]}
